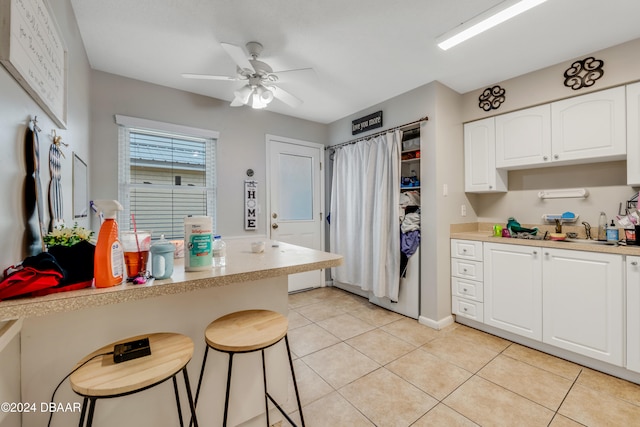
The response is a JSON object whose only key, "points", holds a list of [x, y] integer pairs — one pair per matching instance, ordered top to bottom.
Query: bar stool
{"points": [[245, 332], [100, 377]]}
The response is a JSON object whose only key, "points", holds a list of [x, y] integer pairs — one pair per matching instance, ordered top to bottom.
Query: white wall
{"points": [[241, 145]]}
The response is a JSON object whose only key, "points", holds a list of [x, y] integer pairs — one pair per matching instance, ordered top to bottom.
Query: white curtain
{"points": [[364, 225]]}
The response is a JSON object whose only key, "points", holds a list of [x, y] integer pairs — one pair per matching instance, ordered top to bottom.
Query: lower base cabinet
{"points": [[513, 289], [574, 300], [583, 303], [633, 313]]}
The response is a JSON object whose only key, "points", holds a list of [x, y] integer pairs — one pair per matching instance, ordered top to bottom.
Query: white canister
{"points": [[198, 239]]}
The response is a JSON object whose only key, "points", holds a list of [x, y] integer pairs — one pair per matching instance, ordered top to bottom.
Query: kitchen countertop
{"points": [[483, 232], [242, 265]]}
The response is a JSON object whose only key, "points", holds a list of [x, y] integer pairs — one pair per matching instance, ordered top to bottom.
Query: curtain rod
{"points": [[362, 138]]}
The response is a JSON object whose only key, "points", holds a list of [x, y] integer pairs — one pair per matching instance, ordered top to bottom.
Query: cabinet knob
{"points": [[555, 156], [545, 158], [490, 187], [464, 250], [535, 252], [546, 253], [634, 263], [464, 269], [464, 289], [465, 309]]}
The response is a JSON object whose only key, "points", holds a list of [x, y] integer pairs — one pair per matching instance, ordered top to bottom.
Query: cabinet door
{"points": [[589, 126], [633, 134], [523, 138], [480, 174], [513, 289], [583, 303], [633, 313]]}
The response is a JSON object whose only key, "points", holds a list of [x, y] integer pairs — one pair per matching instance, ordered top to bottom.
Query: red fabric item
{"points": [[28, 280], [63, 288]]}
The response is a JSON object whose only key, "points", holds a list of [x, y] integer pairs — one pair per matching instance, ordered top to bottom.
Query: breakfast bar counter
{"points": [[242, 265], [57, 330]]}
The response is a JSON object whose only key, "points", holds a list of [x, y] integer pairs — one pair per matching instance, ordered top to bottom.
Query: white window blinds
{"points": [[164, 177]]}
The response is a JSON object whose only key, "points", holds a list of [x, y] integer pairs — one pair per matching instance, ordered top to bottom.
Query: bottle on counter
{"points": [[602, 227], [612, 233], [219, 251], [108, 264]]}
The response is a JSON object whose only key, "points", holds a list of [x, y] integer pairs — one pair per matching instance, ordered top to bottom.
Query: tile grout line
{"points": [[565, 398]]}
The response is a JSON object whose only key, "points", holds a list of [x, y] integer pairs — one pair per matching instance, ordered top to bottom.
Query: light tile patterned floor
{"points": [[360, 365]]}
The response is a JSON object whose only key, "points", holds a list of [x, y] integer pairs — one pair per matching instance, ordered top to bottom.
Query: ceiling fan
{"points": [[260, 79]]}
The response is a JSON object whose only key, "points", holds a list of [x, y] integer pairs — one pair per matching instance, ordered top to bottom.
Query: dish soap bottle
{"points": [[602, 227], [108, 263]]}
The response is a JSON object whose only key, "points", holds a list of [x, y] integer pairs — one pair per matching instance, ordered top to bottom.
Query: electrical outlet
{"points": [[463, 210]]}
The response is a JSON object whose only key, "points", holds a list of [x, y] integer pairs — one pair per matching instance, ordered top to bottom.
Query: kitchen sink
{"points": [[590, 242]]}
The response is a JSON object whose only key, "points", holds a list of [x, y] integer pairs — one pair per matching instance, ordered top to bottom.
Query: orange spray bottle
{"points": [[108, 263]]}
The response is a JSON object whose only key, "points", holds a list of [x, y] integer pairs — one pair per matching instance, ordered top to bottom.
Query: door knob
{"points": [[274, 226]]}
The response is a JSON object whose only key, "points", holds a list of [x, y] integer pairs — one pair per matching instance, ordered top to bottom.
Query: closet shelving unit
{"points": [[410, 163]]}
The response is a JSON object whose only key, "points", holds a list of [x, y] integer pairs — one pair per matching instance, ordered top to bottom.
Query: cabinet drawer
{"points": [[466, 249], [466, 269], [469, 289], [470, 309]]}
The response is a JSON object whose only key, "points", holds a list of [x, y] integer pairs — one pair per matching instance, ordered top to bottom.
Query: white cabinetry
{"points": [[590, 126], [633, 134], [523, 138], [480, 173], [466, 280], [513, 288], [583, 303], [633, 313]]}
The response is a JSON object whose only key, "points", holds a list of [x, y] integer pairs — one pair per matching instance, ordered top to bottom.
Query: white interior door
{"points": [[296, 200]]}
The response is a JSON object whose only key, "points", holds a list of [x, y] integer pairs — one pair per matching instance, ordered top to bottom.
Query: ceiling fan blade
{"points": [[239, 56], [299, 74], [209, 77], [285, 96]]}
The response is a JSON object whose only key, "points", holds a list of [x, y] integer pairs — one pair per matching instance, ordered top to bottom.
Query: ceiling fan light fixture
{"points": [[486, 20], [244, 94], [266, 96], [260, 98], [257, 102]]}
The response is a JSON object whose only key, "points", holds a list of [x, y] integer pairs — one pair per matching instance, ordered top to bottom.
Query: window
{"points": [[166, 172]]}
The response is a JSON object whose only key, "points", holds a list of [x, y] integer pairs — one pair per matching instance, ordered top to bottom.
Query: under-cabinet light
{"points": [[486, 20]]}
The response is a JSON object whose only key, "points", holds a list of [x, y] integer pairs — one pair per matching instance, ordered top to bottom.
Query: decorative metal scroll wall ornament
{"points": [[583, 73], [492, 98]]}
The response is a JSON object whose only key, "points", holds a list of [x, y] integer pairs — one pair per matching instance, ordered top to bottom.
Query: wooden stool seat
{"points": [[245, 331], [248, 331], [97, 376]]}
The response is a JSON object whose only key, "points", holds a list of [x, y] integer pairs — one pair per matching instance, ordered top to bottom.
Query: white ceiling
{"points": [[363, 51]]}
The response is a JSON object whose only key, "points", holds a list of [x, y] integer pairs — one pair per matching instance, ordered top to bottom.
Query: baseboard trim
{"points": [[436, 324]]}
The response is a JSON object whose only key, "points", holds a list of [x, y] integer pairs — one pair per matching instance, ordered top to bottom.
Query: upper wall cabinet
{"points": [[590, 126], [633, 134], [523, 138], [480, 173]]}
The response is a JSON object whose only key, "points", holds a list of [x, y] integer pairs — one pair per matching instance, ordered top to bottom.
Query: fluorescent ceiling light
{"points": [[486, 20]]}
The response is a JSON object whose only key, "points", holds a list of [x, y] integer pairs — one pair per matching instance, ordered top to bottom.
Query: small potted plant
{"points": [[73, 250]]}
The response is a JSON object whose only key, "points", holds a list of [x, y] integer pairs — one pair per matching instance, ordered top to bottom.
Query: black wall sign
{"points": [[363, 124]]}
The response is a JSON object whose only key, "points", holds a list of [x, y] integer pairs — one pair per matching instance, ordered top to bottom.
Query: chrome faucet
{"points": [[558, 226], [587, 229]]}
